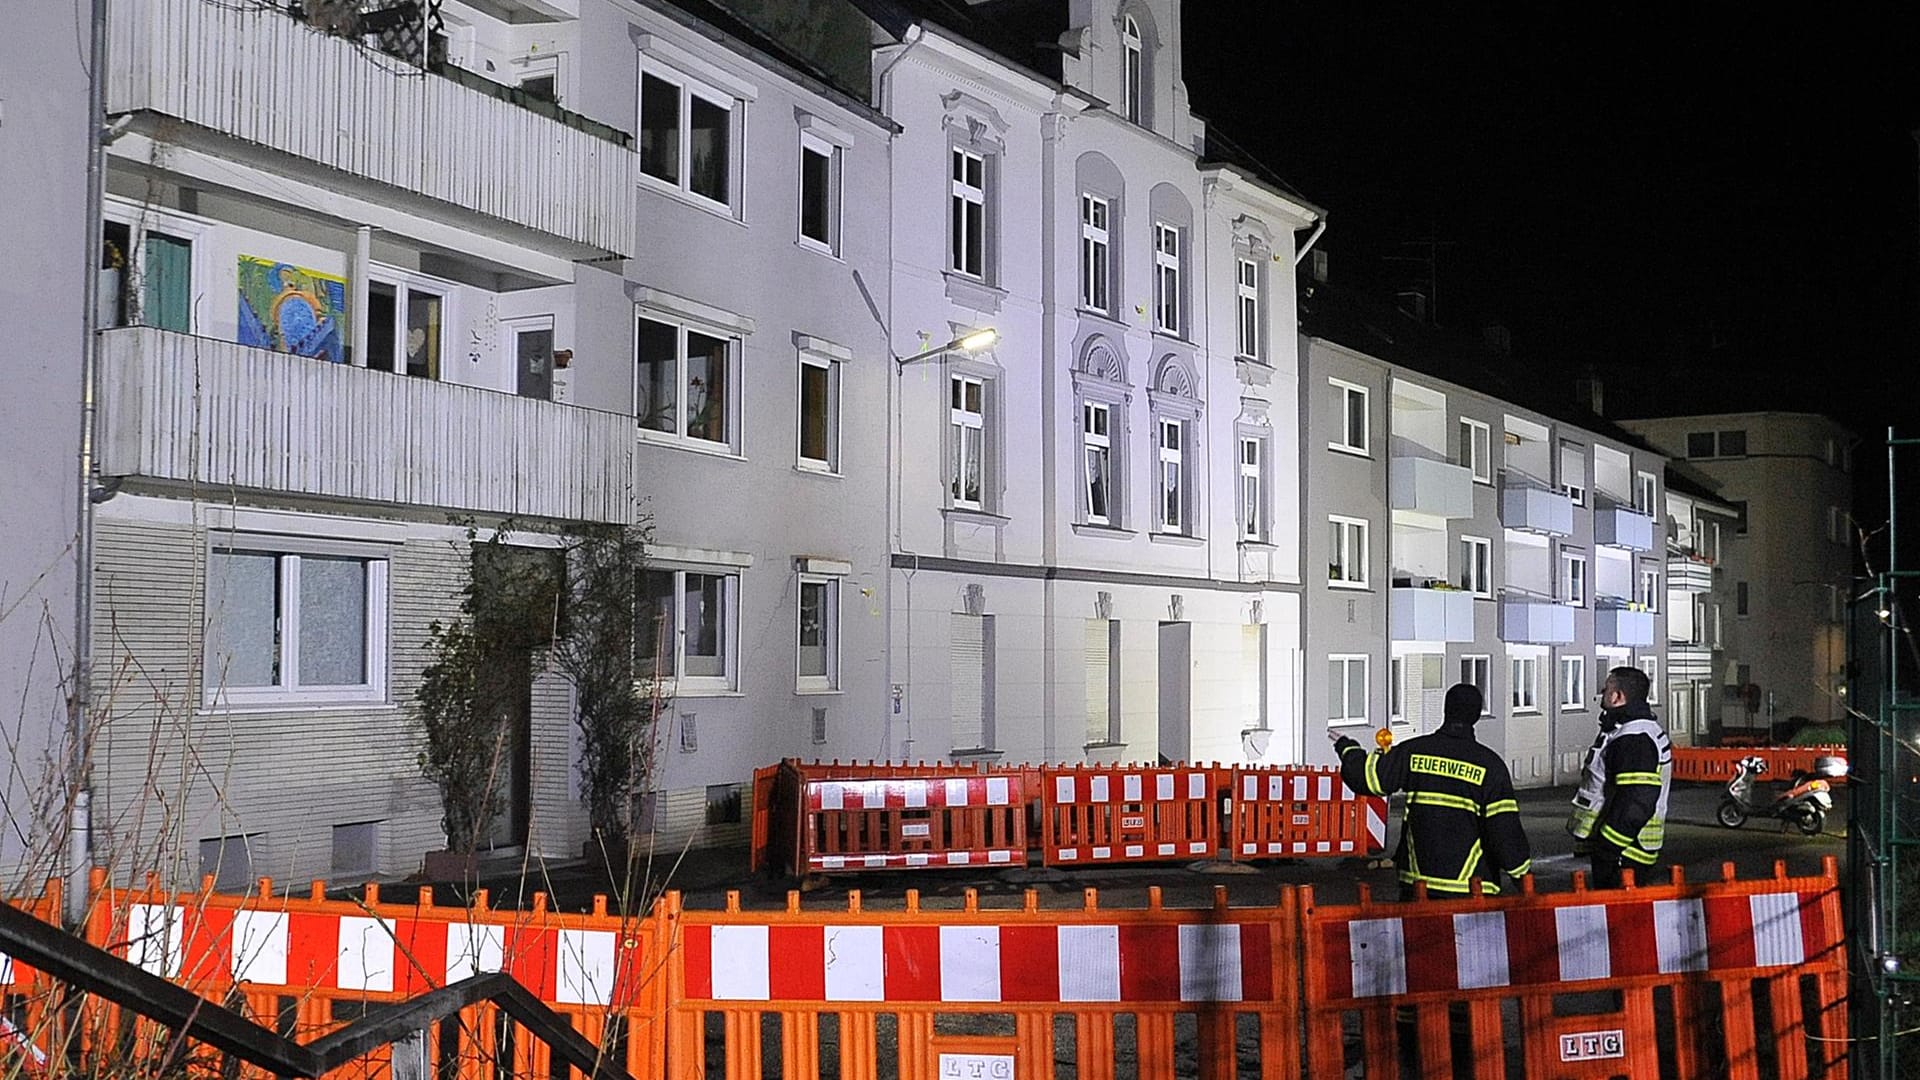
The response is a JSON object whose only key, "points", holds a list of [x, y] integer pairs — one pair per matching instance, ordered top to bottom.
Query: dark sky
{"points": [[1715, 194]]}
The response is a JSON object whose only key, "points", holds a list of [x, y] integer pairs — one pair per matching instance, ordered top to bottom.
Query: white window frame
{"points": [[1133, 70], [689, 89], [814, 144], [968, 199], [142, 219], [1096, 253], [404, 284], [1246, 291], [1167, 316], [968, 429], [678, 436], [1097, 442], [1347, 443], [1476, 448], [830, 465], [1575, 487], [1253, 489], [1646, 494], [1172, 499], [1350, 549], [1476, 566], [1575, 582], [1649, 589], [830, 631], [1651, 665], [1476, 670], [675, 676], [1523, 684], [1337, 690], [1396, 690], [1573, 691], [289, 692]]}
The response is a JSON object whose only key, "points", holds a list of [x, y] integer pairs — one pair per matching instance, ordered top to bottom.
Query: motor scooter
{"points": [[1805, 803]]}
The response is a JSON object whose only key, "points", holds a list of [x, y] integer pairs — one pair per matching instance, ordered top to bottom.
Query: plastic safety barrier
{"points": [[1716, 764], [1301, 812], [1122, 815], [915, 822]]}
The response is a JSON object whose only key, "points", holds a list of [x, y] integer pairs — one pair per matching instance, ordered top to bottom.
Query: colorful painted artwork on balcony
{"points": [[292, 309]]}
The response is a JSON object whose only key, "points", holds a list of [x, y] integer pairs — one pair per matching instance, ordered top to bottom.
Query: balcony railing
{"points": [[253, 73], [199, 411], [1427, 486], [1527, 504], [1623, 527], [1689, 574], [1431, 614], [1534, 620], [1622, 626], [1689, 660]]}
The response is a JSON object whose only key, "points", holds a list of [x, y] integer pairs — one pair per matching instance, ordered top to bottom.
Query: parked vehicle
{"points": [[1805, 803]]}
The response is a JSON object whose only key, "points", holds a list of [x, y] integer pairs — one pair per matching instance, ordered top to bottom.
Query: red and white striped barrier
{"points": [[1326, 787], [910, 794], [1160, 814], [909, 860], [1537, 946], [970, 963]]}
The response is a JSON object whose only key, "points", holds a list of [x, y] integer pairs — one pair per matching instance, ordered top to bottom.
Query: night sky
{"points": [[1712, 204]]}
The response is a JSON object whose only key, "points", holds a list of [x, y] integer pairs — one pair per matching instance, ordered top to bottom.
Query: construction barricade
{"points": [[1717, 764], [1299, 812], [1091, 815], [894, 822]]}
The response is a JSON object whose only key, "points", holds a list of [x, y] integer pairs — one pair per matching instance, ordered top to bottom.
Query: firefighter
{"points": [[1620, 812], [1462, 821]]}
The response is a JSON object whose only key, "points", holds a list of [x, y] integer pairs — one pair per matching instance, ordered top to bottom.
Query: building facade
{"points": [[1095, 539], [1790, 557], [1704, 572]]}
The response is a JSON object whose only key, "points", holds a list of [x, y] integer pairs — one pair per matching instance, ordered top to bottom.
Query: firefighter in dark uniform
{"points": [[1462, 821]]}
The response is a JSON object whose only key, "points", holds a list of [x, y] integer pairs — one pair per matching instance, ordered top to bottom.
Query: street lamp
{"points": [[970, 342]]}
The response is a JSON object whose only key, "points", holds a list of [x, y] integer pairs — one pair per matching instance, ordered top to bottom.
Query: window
{"points": [[1135, 91], [686, 137], [819, 194], [967, 226], [1095, 254], [1166, 278], [148, 280], [1247, 306], [406, 321], [531, 343], [685, 384], [1351, 400], [819, 413], [967, 434], [1097, 443], [1699, 444], [1733, 444], [1476, 449], [1573, 473], [1173, 491], [1645, 492], [1740, 516], [1253, 518], [1347, 553], [1476, 565], [1573, 579], [1650, 589], [1740, 598], [688, 626], [294, 627], [1717, 639], [970, 659], [818, 664], [1651, 665], [1474, 671], [1103, 681], [1573, 682], [1396, 688], [1347, 690], [1525, 693], [724, 803]]}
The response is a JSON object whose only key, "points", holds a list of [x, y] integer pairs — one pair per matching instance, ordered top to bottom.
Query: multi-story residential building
{"points": [[550, 262], [1095, 536], [1465, 537], [1790, 557], [1704, 591]]}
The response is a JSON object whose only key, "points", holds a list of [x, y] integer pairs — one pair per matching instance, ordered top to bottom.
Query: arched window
{"points": [[1131, 45]]}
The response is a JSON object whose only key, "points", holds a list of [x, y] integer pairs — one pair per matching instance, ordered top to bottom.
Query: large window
{"points": [[1136, 66], [686, 137], [819, 194], [967, 225], [1096, 253], [146, 276], [1166, 278], [1246, 292], [406, 324], [685, 383], [1351, 402], [819, 413], [1096, 439], [967, 441], [1706, 444], [1476, 449], [1573, 472], [1173, 480], [1645, 491], [1253, 510], [1347, 553], [1476, 565], [1573, 579], [1649, 589], [294, 627], [688, 627], [817, 665], [1651, 665], [1475, 671], [1573, 682], [1347, 690], [1524, 695]]}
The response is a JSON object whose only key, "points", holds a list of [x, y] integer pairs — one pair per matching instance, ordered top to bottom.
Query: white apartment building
{"points": [[552, 262], [1456, 535], [1095, 537], [1789, 556], [1707, 585]]}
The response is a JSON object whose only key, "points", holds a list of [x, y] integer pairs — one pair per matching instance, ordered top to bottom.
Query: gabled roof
{"points": [[1026, 33], [741, 35]]}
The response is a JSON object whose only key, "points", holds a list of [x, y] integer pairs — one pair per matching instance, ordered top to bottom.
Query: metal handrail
{"points": [[72, 960]]}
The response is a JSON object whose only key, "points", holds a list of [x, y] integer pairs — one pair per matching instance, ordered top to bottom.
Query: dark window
{"points": [[660, 129], [709, 146], [816, 195], [383, 306], [1699, 444], [1733, 444], [1740, 519], [1740, 598]]}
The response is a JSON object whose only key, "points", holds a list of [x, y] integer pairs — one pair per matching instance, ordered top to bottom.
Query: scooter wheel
{"points": [[1731, 814], [1813, 823]]}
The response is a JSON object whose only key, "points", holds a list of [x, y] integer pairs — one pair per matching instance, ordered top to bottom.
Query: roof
{"points": [[1026, 33], [741, 35], [1220, 151], [1685, 480]]}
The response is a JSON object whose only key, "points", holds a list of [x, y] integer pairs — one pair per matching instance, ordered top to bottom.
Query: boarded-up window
{"points": [[972, 667], [1103, 681]]}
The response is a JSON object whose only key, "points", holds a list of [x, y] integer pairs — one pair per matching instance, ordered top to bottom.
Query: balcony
{"points": [[253, 73], [218, 415], [1427, 486], [1531, 506], [1623, 527], [1689, 574], [1431, 614], [1528, 620], [1622, 626], [1686, 661]]}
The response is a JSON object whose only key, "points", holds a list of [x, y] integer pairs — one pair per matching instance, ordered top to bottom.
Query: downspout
{"points": [[1052, 130], [1312, 238], [80, 701]]}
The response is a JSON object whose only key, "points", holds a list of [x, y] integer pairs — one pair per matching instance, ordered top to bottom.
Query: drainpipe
{"points": [[1312, 238], [362, 266], [79, 855]]}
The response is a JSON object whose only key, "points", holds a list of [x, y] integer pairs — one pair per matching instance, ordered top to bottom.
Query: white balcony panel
{"points": [[251, 72], [219, 415], [1427, 486], [1536, 509], [1624, 527], [1689, 575], [1431, 615], [1526, 621], [1621, 626], [1687, 662]]}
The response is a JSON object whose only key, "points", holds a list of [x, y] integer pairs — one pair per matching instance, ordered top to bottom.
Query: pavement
{"points": [[1696, 842]]}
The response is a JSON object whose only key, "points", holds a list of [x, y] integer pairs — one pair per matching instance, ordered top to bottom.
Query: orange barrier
{"points": [[1716, 764], [1301, 811], [1108, 814], [883, 818]]}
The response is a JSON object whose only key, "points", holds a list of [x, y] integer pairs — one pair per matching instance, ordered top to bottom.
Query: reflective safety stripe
{"points": [[1373, 774], [1650, 778], [1435, 798], [1502, 806], [1582, 822], [1616, 837], [1645, 858], [1523, 869], [1459, 883]]}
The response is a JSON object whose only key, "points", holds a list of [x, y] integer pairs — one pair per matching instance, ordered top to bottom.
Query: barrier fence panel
{"points": [[1716, 764], [1301, 812], [1121, 815], [892, 823]]}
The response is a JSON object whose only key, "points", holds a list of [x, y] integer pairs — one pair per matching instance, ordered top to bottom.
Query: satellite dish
{"points": [[1254, 741]]}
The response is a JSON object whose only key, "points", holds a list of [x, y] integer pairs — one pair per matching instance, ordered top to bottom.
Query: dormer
{"points": [[1127, 54]]}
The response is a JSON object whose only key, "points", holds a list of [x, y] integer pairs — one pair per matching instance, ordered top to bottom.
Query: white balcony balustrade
{"points": [[1429, 486], [1529, 505], [1623, 527], [1689, 574], [1431, 614], [1530, 620], [1623, 626]]}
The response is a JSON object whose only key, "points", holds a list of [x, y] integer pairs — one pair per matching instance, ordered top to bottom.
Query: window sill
{"points": [[688, 198], [817, 248], [972, 292], [1113, 318], [1253, 371], [691, 446], [1350, 451], [821, 471], [972, 516], [1105, 532], [1177, 539], [1249, 544], [1351, 586], [818, 691], [704, 692], [330, 705], [1565, 708], [1524, 712], [1359, 723], [1094, 746], [978, 752]]}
